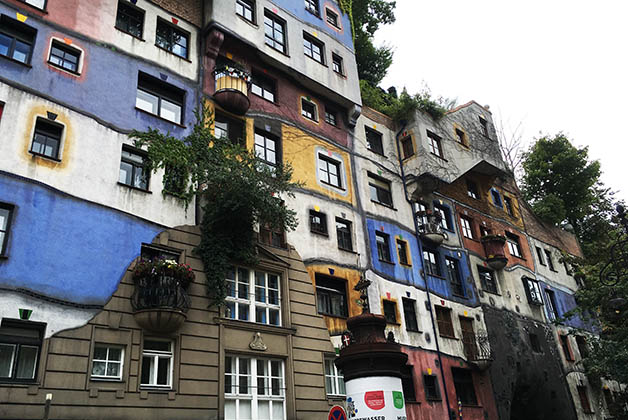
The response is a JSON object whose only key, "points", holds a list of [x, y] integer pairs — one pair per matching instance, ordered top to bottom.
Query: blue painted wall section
{"points": [[106, 94], [67, 248], [396, 271], [441, 285], [565, 302]]}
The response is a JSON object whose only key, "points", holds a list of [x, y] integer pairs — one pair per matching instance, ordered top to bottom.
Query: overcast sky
{"points": [[551, 65]]}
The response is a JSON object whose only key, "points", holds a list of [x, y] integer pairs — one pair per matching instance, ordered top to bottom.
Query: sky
{"points": [[543, 66]]}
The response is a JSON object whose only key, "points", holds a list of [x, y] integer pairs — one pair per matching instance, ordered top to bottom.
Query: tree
{"points": [[236, 191]]}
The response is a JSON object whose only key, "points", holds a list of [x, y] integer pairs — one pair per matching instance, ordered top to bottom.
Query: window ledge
{"points": [[30, 6], [253, 24], [130, 34], [278, 50], [170, 52], [16, 61], [316, 61], [72, 73], [340, 74], [267, 100], [160, 117], [39, 155], [440, 157], [333, 186], [134, 188], [384, 205], [324, 234], [347, 250], [4, 257], [520, 258], [387, 262], [405, 265], [491, 293], [459, 296], [333, 316], [254, 326], [415, 331], [451, 337], [105, 380], [156, 389], [332, 399], [434, 399]]}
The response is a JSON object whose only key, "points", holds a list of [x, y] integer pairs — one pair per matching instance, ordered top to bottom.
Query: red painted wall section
{"points": [[422, 361]]}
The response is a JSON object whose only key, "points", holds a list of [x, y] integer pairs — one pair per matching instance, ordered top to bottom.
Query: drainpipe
{"points": [[427, 287]]}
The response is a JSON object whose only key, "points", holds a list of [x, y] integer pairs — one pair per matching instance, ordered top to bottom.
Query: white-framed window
{"points": [[329, 171], [467, 230], [253, 295], [108, 362], [157, 364], [334, 380], [254, 389]]}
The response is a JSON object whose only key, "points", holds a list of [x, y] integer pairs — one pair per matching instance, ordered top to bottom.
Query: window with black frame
{"points": [[312, 6], [246, 9], [130, 19], [274, 30], [172, 39], [16, 40], [313, 48], [64, 57], [337, 63], [263, 86], [159, 98], [230, 128], [47, 138], [374, 141], [266, 147], [132, 168], [329, 171], [379, 189], [6, 215], [318, 222], [343, 234], [383, 246], [402, 252], [430, 258], [455, 277], [487, 278], [533, 291], [331, 296], [390, 311], [409, 314], [20, 347], [463, 383]]}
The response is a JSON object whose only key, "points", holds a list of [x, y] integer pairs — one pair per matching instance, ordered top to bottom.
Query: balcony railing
{"points": [[232, 89], [430, 227], [160, 303], [477, 349]]}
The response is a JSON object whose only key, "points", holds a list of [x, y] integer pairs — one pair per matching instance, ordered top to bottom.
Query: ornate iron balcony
{"points": [[430, 227]]}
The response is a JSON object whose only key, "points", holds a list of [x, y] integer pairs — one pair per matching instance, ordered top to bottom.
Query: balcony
{"points": [[232, 89], [430, 228], [494, 249], [160, 300], [477, 350]]}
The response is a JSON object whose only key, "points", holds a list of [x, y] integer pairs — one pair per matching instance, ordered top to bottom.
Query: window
{"points": [[40, 4], [312, 6], [246, 9], [332, 18], [130, 19], [274, 29], [172, 39], [16, 40], [313, 48], [64, 57], [336, 63], [263, 86], [159, 98], [1, 109], [308, 110], [330, 117], [484, 126], [230, 128], [461, 137], [47, 139], [374, 141], [435, 144], [266, 147], [406, 147], [132, 171], [329, 171], [472, 189], [380, 190], [497, 199], [508, 206], [420, 210], [6, 213], [444, 216], [318, 222], [467, 229], [484, 231], [343, 234], [269, 235], [513, 245], [383, 246], [402, 251], [152, 252], [539, 254], [430, 259], [550, 262], [455, 277], [487, 278], [533, 292], [253, 295], [331, 296], [552, 309], [390, 311], [409, 314], [445, 324], [535, 343], [564, 343], [20, 345], [583, 348], [107, 362], [157, 364], [334, 381], [463, 382], [407, 383], [254, 388], [432, 389], [584, 399]]}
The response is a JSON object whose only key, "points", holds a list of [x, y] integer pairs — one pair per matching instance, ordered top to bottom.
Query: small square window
{"points": [[312, 6], [246, 9], [332, 18], [130, 19], [274, 30], [172, 39], [16, 40], [313, 48], [64, 57], [336, 63], [263, 86], [159, 98], [308, 109], [331, 117], [47, 139], [374, 141], [435, 144], [267, 147], [407, 147], [132, 168], [329, 171], [472, 189], [380, 190], [497, 198], [6, 213], [318, 222], [484, 231], [343, 233], [269, 235], [514, 245], [383, 246], [402, 251], [430, 259], [487, 278], [533, 291], [331, 296], [390, 311], [409, 313], [444, 322], [20, 346], [108, 362], [157, 364], [432, 389]]}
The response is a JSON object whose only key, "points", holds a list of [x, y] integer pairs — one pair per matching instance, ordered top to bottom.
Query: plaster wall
{"points": [[298, 21], [89, 163], [557, 276]]}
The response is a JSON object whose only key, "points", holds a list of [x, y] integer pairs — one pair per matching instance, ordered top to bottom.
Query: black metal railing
{"points": [[160, 292], [477, 347]]}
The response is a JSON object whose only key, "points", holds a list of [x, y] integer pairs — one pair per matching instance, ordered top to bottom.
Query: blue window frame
{"points": [[497, 198]]}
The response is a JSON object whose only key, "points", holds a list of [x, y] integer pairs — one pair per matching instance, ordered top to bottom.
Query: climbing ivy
{"points": [[346, 6], [235, 190]]}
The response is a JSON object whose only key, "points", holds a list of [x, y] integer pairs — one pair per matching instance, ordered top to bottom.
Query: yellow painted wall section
{"points": [[67, 140], [299, 149], [337, 325]]}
